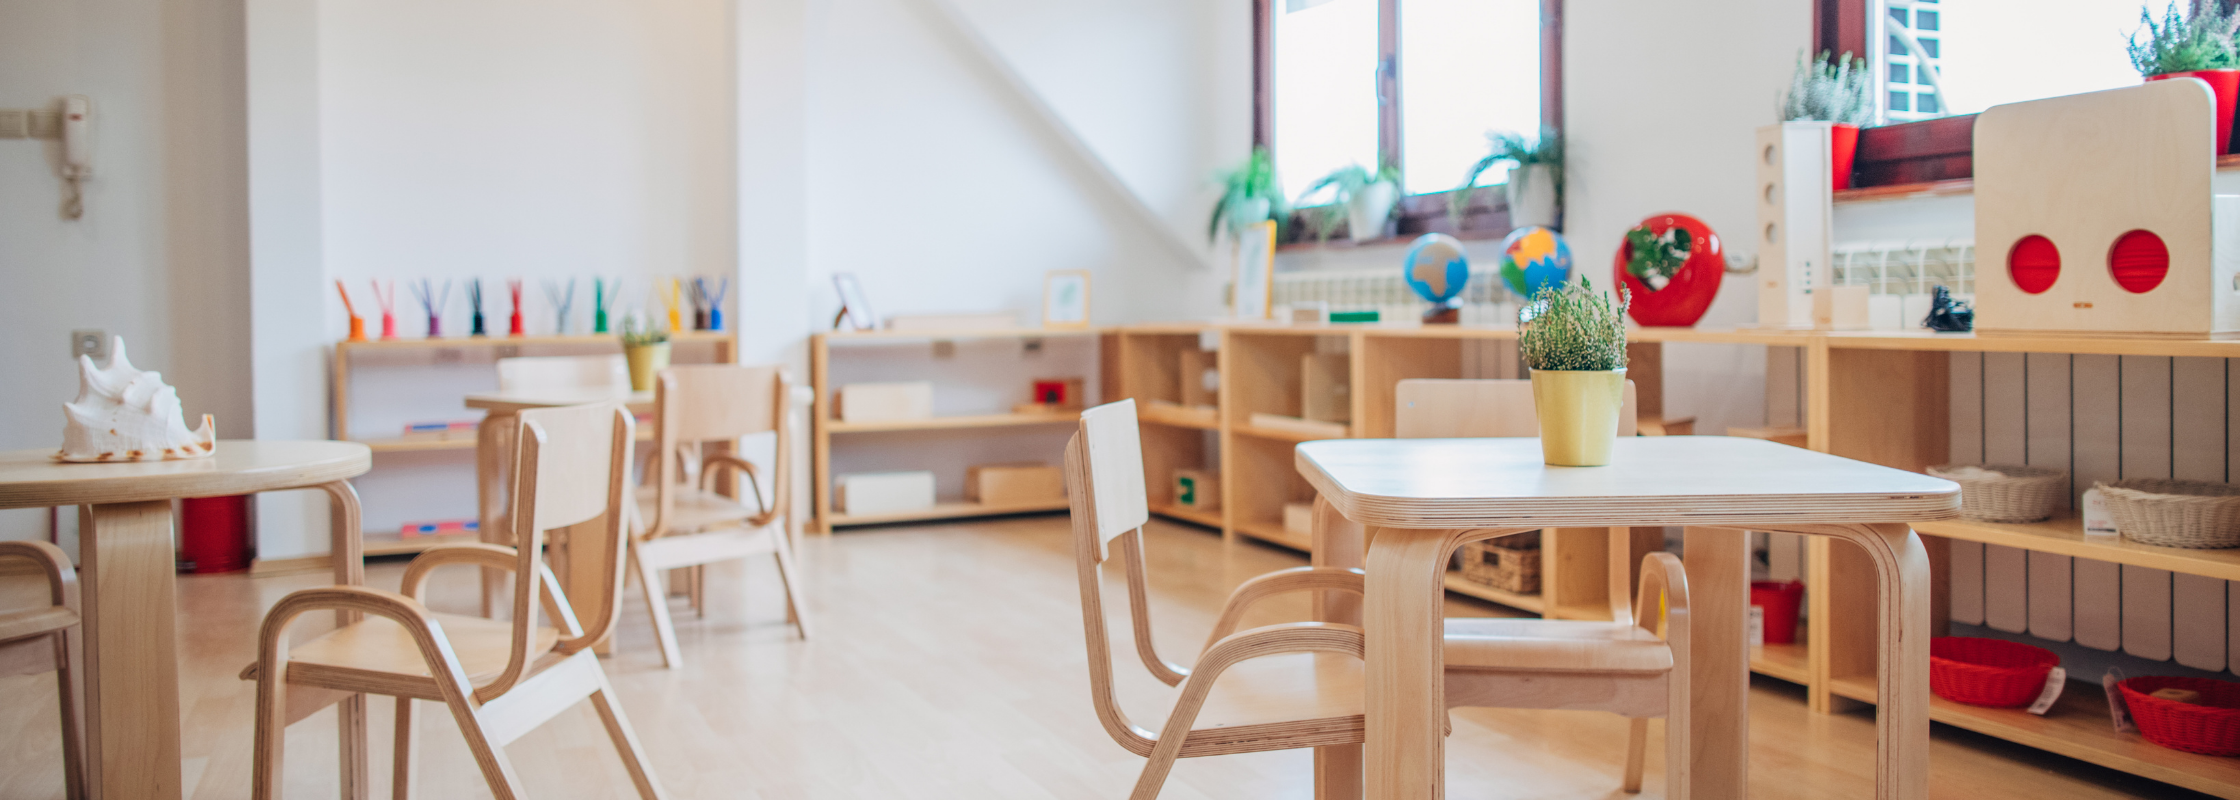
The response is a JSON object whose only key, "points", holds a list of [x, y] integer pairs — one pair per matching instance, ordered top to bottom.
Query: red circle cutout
{"points": [[2139, 261], [2034, 263]]}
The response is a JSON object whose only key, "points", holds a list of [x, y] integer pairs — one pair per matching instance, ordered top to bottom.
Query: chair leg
{"points": [[700, 590], [657, 606], [797, 611], [272, 731], [625, 740], [1637, 748], [73, 759], [401, 764], [357, 768], [497, 770], [1337, 772]]}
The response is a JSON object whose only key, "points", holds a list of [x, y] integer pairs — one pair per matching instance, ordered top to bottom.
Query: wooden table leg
{"points": [[491, 441], [132, 651], [1901, 720], [1718, 736], [1405, 755]]}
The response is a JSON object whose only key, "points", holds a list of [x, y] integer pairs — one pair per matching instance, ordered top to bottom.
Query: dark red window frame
{"points": [[1906, 153], [1487, 216]]}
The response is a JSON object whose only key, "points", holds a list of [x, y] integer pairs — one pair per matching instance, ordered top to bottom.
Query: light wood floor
{"points": [[949, 664]]}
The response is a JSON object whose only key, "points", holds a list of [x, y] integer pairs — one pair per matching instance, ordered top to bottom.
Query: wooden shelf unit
{"points": [[347, 352], [826, 431]]}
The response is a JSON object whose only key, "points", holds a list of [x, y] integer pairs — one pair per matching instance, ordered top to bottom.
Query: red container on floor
{"points": [[2225, 84], [214, 534], [1779, 599], [1994, 673], [2210, 726]]}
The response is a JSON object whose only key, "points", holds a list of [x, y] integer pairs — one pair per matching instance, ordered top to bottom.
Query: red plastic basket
{"points": [[1988, 672], [2209, 727]]}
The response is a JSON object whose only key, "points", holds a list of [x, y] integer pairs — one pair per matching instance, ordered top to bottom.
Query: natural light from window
{"points": [[1988, 52], [1467, 67], [1325, 87]]}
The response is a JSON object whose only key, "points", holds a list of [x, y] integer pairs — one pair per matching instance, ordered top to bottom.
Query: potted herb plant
{"points": [[2198, 46], [1839, 93], [1535, 186], [1249, 194], [1366, 200], [1574, 340], [646, 346]]}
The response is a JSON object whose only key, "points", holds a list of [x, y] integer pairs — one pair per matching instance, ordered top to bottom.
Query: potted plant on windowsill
{"points": [[2199, 46], [1837, 92], [1535, 185], [1250, 194], [1365, 200], [1574, 340], [646, 346]]}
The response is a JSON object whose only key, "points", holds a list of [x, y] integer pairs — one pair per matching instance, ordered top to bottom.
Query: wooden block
{"points": [[1841, 308], [1200, 381], [1325, 387], [1067, 394], [880, 402], [1014, 484], [1197, 488], [883, 492], [1298, 519]]}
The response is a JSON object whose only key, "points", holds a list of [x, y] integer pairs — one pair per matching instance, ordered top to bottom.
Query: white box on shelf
{"points": [[884, 402], [884, 492]]}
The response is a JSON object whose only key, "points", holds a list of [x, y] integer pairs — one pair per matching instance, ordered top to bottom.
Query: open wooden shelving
{"points": [[1205, 419], [950, 423], [949, 510], [1210, 519], [1273, 532], [2065, 536], [395, 545], [1522, 602], [1790, 662]]}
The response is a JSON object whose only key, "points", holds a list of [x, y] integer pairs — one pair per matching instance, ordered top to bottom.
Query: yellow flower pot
{"points": [[646, 361], [1578, 414]]}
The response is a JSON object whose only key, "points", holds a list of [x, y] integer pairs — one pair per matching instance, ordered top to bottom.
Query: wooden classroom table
{"points": [[1420, 499], [130, 642]]}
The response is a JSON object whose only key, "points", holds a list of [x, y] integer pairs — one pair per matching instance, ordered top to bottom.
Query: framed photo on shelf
{"points": [[1255, 272], [1065, 298], [854, 309]]}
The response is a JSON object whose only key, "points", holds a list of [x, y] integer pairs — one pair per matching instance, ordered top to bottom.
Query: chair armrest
{"points": [[708, 465], [490, 556], [61, 577], [1663, 577], [1282, 581], [1267, 640]]}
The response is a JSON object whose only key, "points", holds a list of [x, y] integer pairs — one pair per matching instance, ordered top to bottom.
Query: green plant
{"points": [[2184, 43], [1840, 91], [1511, 147], [1253, 180], [1343, 183], [1655, 259], [1572, 327], [638, 331]]}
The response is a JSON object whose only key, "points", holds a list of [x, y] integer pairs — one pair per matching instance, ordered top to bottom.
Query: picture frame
{"points": [[1255, 271], [1065, 298], [855, 309]]}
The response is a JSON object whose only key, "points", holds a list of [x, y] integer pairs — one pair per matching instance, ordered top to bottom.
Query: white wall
{"points": [[159, 257]]}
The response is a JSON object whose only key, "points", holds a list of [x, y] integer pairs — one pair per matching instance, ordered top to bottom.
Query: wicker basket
{"points": [[2021, 494], [2171, 513], [1511, 564], [1988, 672], [2209, 727]]}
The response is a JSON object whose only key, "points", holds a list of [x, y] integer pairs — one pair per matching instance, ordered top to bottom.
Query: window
{"points": [[2001, 51], [1413, 83]]}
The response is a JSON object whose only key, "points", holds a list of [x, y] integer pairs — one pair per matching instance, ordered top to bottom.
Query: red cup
{"points": [[1780, 600]]}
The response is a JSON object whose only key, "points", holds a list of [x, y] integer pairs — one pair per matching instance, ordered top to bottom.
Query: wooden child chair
{"points": [[564, 373], [686, 525], [51, 621], [499, 679], [1277, 687]]}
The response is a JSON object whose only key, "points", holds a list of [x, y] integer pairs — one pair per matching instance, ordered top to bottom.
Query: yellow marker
{"points": [[676, 319]]}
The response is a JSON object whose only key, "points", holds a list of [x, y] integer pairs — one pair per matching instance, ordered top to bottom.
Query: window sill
{"points": [[1953, 186], [1341, 243]]}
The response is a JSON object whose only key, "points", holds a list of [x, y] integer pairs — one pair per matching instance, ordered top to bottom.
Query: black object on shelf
{"points": [[1947, 315]]}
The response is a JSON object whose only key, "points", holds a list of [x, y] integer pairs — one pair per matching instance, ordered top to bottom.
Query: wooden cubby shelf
{"points": [[1204, 419], [950, 423], [948, 510], [1210, 519], [1273, 532], [2065, 536], [1517, 600], [1789, 662]]}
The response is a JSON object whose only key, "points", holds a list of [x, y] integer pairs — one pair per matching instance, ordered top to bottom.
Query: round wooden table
{"points": [[130, 640]]}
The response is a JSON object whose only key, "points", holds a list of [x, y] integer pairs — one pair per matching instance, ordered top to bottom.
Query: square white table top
{"points": [[1712, 481]]}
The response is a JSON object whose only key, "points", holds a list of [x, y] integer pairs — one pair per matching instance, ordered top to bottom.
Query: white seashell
{"points": [[126, 414]]}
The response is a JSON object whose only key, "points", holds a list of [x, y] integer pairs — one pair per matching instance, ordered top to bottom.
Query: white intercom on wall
{"points": [[70, 126]]}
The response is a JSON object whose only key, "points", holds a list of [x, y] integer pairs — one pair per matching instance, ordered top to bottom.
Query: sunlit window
{"points": [[1963, 56], [1467, 67], [1325, 88]]}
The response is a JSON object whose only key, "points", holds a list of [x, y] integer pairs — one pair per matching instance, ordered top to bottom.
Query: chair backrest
{"points": [[548, 373], [700, 404], [1442, 409], [571, 469], [1104, 486]]}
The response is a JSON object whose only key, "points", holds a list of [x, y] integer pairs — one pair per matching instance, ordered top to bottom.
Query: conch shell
{"points": [[127, 414]]}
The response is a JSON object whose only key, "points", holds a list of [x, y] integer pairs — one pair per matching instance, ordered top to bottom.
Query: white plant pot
{"points": [[1532, 196], [1368, 209]]}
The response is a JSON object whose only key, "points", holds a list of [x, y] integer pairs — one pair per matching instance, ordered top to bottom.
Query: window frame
{"points": [[1487, 217]]}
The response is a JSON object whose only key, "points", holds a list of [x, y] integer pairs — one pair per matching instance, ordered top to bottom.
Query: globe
{"points": [[1532, 258], [1436, 268]]}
